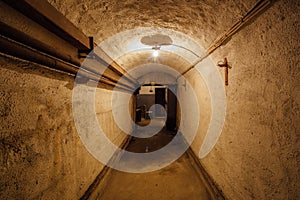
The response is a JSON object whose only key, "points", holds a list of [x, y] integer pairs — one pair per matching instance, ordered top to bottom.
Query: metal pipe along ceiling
{"points": [[26, 47], [24, 52]]}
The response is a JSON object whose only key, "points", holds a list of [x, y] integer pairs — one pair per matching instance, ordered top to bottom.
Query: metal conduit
{"points": [[48, 17], [27, 40], [16, 49]]}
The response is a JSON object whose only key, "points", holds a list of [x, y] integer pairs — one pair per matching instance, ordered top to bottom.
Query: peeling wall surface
{"points": [[257, 154]]}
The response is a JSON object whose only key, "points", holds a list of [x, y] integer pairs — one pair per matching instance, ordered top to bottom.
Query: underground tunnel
{"points": [[149, 99]]}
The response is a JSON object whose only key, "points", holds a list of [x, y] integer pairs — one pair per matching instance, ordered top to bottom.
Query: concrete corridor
{"points": [[81, 79], [166, 183]]}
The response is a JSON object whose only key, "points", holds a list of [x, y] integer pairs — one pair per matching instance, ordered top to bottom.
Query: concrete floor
{"points": [[179, 180]]}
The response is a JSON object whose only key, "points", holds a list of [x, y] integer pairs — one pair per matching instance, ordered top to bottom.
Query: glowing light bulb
{"points": [[155, 53]]}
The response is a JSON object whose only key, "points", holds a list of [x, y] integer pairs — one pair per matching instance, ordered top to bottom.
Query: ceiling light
{"points": [[155, 53]]}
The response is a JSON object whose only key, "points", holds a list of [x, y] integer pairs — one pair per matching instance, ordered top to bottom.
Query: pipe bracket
{"points": [[83, 53]]}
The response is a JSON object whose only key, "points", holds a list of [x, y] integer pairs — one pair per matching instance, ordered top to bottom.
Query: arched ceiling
{"points": [[202, 20], [192, 25], [119, 26], [134, 48], [139, 58]]}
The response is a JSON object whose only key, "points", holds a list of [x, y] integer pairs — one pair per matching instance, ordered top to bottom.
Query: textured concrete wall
{"points": [[202, 20], [204, 102], [111, 114], [41, 155], [257, 156]]}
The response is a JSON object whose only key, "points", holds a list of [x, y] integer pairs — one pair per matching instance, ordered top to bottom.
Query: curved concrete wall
{"points": [[204, 103], [257, 155], [42, 156]]}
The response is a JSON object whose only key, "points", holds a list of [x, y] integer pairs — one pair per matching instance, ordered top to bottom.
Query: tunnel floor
{"points": [[178, 180]]}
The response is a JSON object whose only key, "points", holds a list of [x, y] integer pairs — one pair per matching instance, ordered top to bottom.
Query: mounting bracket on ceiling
{"points": [[84, 53], [226, 66]]}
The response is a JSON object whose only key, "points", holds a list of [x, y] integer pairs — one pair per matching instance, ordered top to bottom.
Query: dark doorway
{"points": [[164, 96], [160, 98], [171, 109]]}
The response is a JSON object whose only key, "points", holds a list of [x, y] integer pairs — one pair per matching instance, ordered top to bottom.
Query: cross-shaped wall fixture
{"points": [[226, 66]]}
